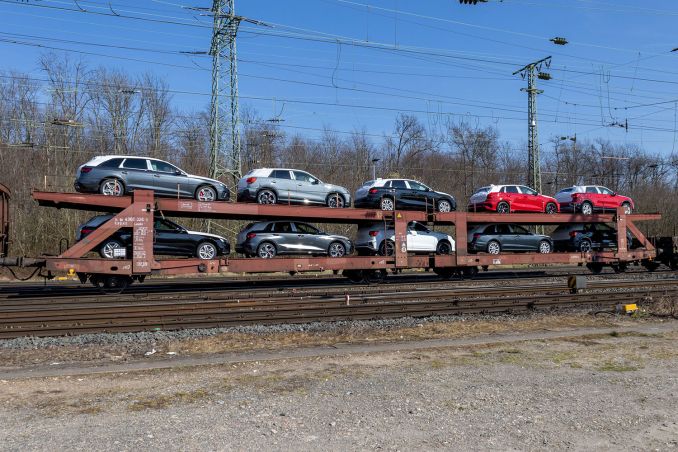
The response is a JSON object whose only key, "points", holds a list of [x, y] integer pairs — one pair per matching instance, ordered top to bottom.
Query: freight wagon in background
{"points": [[4, 220]]}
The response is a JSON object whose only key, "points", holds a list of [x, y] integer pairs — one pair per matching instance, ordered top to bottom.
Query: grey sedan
{"points": [[116, 175], [495, 238], [268, 239]]}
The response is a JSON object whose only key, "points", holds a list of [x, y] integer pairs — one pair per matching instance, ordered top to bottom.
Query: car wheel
{"points": [[112, 187], [206, 194], [266, 197], [335, 200], [387, 204], [444, 206], [503, 207], [551, 208], [587, 208], [627, 208], [585, 246], [444, 247], [493, 247], [545, 247], [387, 248], [106, 249], [336, 249], [206, 250], [266, 250]]}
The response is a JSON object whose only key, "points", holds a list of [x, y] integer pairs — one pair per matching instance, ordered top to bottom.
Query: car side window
{"points": [[112, 163], [135, 164], [163, 167], [281, 174], [303, 177], [400, 184], [417, 186], [511, 189], [527, 190], [591, 190], [605, 190], [162, 225], [269, 227], [283, 227], [417, 227], [305, 228], [503, 229], [489, 230], [519, 230]]}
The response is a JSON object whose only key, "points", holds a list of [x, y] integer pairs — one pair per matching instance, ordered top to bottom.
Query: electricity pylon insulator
{"points": [[471, 2], [559, 41], [544, 76]]}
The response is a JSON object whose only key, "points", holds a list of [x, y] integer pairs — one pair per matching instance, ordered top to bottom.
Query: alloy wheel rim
{"points": [[112, 188], [206, 194], [266, 197], [336, 202], [386, 204], [444, 206], [503, 208], [550, 208], [586, 209], [627, 209], [585, 246], [444, 248], [493, 248], [544, 248], [108, 249], [337, 250], [207, 251], [267, 251]]}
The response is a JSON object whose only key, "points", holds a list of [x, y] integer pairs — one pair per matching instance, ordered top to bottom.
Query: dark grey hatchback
{"points": [[116, 175], [495, 238], [268, 239]]}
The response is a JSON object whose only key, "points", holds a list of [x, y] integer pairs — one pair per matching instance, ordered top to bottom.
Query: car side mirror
{"points": [[178, 173], [315, 182], [614, 194]]}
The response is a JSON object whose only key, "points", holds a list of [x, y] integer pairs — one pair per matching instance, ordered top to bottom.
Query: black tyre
{"points": [[112, 187], [206, 193], [267, 197], [335, 200], [387, 203], [444, 206], [503, 207], [551, 208], [587, 208], [585, 246], [444, 247], [493, 247], [545, 247], [106, 248], [387, 248], [336, 249], [206, 250], [266, 250]]}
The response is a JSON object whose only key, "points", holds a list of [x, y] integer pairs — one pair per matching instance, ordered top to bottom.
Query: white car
{"points": [[380, 239]]}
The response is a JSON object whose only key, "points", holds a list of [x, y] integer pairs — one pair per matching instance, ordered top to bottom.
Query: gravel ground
{"points": [[602, 391]]}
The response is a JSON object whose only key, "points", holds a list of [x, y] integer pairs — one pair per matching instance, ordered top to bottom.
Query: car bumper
{"points": [[86, 186], [223, 194], [245, 195], [368, 202], [481, 207], [245, 248]]}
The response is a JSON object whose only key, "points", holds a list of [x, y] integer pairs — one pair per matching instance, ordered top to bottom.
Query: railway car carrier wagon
{"points": [[138, 211]]}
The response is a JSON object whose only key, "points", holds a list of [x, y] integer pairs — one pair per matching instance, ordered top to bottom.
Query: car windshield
{"points": [[164, 167], [304, 177], [417, 186], [482, 190], [527, 190], [566, 190], [605, 190], [98, 220], [164, 225], [306, 228]]}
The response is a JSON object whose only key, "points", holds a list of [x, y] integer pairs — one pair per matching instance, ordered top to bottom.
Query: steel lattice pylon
{"points": [[224, 119], [534, 159]]}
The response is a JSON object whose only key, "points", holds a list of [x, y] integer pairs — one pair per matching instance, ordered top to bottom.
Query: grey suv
{"points": [[115, 175], [290, 186], [268, 239]]}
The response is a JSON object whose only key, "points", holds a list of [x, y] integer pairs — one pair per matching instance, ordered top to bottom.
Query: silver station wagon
{"points": [[116, 175], [290, 186]]}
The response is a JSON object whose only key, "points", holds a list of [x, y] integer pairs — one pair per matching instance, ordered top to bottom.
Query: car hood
{"points": [[206, 179], [332, 187], [445, 194], [205, 234]]}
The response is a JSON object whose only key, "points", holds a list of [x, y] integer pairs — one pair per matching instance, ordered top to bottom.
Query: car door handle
{"points": [[123, 172], [156, 175]]}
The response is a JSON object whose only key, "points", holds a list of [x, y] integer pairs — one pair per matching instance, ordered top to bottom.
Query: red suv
{"points": [[511, 198], [590, 198]]}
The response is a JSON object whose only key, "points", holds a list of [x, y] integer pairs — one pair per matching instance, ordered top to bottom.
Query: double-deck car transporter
{"points": [[137, 212]]}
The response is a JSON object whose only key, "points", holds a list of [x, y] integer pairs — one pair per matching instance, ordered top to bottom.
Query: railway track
{"points": [[79, 315]]}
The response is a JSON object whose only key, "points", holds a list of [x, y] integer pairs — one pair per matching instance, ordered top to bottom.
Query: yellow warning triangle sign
{"points": [[398, 216]]}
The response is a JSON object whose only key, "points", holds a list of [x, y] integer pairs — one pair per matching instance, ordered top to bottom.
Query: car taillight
{"points": [[86, 169], [250, 180], [373, 191], [491, 195], [575, 197], [85, 231], [374, 233], [573, 234], [251, 235], [476, 236]]}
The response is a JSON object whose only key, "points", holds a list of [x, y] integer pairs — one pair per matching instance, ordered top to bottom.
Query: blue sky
{"points": [[350, 65]]}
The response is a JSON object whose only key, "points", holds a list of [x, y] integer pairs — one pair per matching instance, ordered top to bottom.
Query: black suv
{"points": [[406, 194], [170, 239]]}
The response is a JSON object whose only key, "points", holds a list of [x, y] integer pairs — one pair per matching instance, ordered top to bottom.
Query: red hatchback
{"points": [[511, 198], [592, 198]]}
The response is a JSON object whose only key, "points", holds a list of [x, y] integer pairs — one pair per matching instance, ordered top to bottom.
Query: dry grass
{"points": [[161, 401]]}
